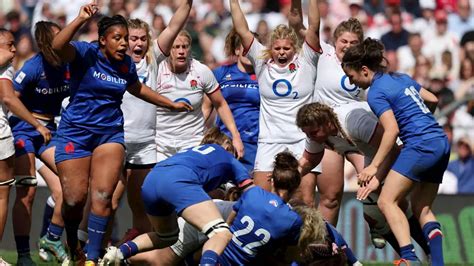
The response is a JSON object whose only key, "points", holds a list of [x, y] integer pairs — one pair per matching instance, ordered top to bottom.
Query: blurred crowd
{"points": [[432, 40]]}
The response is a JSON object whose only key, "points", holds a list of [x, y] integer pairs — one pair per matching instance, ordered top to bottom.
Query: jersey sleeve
{"points": [[81, 48], [158, 54], [310, 54], [255, 55], [6, 73], [218, 73], [132, 75], [25, 76], [209, 82], [378, 102], [312, 146], [240, 172], [237, 205]]}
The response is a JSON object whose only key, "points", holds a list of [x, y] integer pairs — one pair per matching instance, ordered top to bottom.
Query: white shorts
{"points": [[359, 122], [7, 147], [168, 148], [140, 153], [266, 153], [190, 239]]}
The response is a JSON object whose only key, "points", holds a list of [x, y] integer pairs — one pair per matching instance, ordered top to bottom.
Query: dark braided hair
{"points": [[106, 23], [369, 53]]}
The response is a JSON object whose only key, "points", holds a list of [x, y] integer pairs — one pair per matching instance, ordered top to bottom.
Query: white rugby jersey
{"points": [[6, 73], [333, 86], [190, 87], [282, 92], [139, 115]]}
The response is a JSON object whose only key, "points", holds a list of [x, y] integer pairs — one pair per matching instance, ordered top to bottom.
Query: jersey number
{"points": [[288, 91], [416, 97], [203, 151], [264, 234]]}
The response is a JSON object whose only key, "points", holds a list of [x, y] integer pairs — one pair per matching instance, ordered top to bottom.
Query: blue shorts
{"points": [[27, 139], [74, 142], [249, 157], [425, 161], [169, 189]]}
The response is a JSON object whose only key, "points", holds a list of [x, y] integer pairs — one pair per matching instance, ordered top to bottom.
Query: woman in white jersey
{"points": [[286, 73], [184, 79], [9, 100], [140, 116]]}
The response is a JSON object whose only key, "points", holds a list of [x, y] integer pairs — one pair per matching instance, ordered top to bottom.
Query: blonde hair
{"points": [[137, 23], [351, 25], [282, 32], [318, 114], [214, 136], [313, 230]]}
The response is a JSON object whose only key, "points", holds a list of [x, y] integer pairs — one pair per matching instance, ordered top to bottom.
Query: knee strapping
{"points": [[26, 181], [7, 183], [214, 227], [167, 239]]}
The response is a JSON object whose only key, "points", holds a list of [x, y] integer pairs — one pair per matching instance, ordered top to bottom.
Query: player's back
{"points": [[263, 222]]}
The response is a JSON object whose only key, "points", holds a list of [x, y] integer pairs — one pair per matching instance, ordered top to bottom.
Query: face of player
{"points": [[345, 41], [7, 43], [115, 43], [138, 44], [283, 52], [180, 54], [361, 78], [320, 133]]}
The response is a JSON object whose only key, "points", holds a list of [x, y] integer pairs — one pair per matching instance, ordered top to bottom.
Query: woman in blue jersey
{"points": [[42, 84], [240, 89], [9, 100], [403, 108], [90, 152], [179, 186]]}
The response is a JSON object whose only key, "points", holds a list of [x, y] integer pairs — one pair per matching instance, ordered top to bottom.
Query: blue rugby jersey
{"points": [[42, 86], [97, 87], [240, 90], [400, 93], [212, 164], [263, 222]]}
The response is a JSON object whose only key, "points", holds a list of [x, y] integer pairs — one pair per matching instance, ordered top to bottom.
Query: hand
{"points": [[87, 11], [294, 17], [181, 106], [44, 132], [239, 147], [366, 175], [364, 191], [113, 256]]}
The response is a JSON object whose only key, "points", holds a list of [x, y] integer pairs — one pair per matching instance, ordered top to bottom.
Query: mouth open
{"points": [[138, 51], [282, 60]]}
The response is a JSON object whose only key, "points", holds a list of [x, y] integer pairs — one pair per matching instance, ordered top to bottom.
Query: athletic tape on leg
{"points": [[26, 181], [214, 227]]}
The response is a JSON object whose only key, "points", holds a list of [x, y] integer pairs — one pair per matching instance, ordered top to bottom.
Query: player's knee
{"points": [[331, 203], [217, 226], [166, 239]]}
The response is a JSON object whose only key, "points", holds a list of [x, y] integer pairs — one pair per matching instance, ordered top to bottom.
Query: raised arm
{"points": [[295, 18], [177, 22], [240, 24], [312, 34], [61, 44], [145, 93]]}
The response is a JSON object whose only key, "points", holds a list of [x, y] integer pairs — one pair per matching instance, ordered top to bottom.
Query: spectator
{"points": [[426, 20], [462, 20], [15, 25], [397, 36], [467, 45], [407, 54], [422, 71], [438, 86], [463, 121], [463, 167]]}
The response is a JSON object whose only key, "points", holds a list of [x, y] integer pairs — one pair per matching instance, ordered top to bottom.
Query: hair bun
{"points": [[286, 160]]}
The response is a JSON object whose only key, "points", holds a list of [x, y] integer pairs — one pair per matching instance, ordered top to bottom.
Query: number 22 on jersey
{"points": [[260, 233]]}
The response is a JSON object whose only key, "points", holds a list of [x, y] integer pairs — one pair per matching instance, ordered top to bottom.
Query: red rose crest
{"points": [[292, 67], [194, 84]]}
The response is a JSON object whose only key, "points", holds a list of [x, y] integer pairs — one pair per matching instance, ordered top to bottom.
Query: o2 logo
{"points": [[283, 88], [350, 88]]}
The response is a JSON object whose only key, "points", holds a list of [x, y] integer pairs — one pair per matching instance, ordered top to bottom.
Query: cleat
{"points": [[377, 240], [54, 247], [113, 256], [25, 260], [405, 262], [4, 263], [89, 263]]}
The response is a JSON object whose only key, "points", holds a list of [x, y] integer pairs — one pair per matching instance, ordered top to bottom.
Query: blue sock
{"points": [[47, 214], [97, 226], [54, 232], [434, 236], [22, 245], [129, 249], [408, 252], [209, 257]]}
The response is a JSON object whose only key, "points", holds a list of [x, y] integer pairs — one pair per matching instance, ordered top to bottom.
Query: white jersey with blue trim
{"points": [[6, 73], [332, 86], [190, 87], [283, 90], [139, 115]]}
